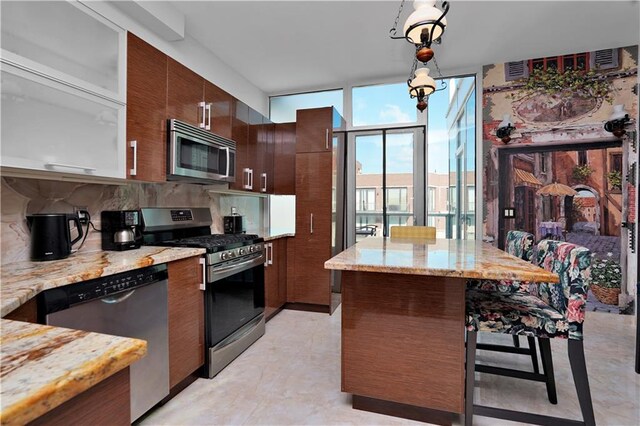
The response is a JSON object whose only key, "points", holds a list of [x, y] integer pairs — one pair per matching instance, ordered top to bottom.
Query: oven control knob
{"points": [[242, 252], [232, 254], [224, 256]]}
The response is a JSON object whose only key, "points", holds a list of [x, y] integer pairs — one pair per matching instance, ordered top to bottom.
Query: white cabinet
{"points": [[63, 89], [47, 125]]}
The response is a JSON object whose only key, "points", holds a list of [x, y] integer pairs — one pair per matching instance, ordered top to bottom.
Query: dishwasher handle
{"points": [[112, 300]]}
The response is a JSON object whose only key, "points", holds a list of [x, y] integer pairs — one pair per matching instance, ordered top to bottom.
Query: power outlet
{"points": [[83, 214]]}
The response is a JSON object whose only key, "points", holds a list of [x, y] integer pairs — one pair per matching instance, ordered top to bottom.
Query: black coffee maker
{"points": [[120, 229], [51, 235]]}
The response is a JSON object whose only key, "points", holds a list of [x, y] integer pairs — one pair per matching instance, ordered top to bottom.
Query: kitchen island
{"points": [[403, 318]]}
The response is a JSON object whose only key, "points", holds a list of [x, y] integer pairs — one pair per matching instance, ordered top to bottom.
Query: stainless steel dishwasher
{"points": [[130, 304]]}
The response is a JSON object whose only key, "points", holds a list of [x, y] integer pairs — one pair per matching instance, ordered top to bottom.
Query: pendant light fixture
{"points": [[424, 26], [421, 85]]}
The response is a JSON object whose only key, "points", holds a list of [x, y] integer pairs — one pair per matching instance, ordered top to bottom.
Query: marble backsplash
{"points": [[20, 197]]}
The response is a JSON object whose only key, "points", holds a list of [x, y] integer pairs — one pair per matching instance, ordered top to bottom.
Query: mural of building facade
{"points": [[561, 172]]}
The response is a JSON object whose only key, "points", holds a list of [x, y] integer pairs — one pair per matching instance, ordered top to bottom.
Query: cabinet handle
{"points": [[203, 123], [208, 126], [326, 140], [71, 166], [134, 170], [226, 174], [245, 178], [250, 178], [263, 178], [312, 223], [270, 253], [203, 284]]}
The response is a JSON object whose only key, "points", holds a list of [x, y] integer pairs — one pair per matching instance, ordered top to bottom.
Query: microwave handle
{"points": [[226, 148]]}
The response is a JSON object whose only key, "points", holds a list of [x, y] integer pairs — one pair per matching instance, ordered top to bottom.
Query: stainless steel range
{"points": [[234, 271]]}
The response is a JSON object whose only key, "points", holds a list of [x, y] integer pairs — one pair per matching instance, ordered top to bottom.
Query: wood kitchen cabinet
{"points": [[185, 94], [221, 104], [146, 111], [314, 130], [240, 134], [284, 159], [275, 276], [312, 282], [186, 319]]}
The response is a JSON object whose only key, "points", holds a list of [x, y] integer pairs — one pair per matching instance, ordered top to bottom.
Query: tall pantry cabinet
{"points": [[311, 282]]}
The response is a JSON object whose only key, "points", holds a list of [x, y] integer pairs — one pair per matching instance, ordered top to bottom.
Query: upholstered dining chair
{"points": [[413, 232], [519, 244], [542, 310]]}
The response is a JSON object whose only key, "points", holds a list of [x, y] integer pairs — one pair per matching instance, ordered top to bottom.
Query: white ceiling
{"points": [[291, 46]]}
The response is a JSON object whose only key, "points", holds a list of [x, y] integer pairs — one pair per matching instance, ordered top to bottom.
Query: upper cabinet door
{"points": [[66, 41], [185, 95], [221, 105], [146, 111], [50, 126], [314, 130], [240, 134]]}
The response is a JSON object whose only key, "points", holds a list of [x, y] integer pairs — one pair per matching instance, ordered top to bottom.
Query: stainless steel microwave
{"points": [[199, 156]]}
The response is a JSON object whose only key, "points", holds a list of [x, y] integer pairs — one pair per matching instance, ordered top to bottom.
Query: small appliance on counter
{"points": [[234, 224], [120, 229], [51, 235]]}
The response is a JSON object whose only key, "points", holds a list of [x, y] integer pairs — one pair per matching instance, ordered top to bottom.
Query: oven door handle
{"points": [[237, 265]]}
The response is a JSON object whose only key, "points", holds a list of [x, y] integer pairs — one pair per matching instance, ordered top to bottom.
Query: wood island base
{"points": [[403, 341]]}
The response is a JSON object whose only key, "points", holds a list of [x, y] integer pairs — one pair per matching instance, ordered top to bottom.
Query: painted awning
{"points": [[524, 178]]}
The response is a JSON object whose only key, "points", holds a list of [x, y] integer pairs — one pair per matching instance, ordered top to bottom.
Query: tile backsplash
{"points": [[20, 197]]}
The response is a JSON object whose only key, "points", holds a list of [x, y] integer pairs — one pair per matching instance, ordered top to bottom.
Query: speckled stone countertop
{"points": [[275, 235], [441, 258], [22, 281], [44, 366]]}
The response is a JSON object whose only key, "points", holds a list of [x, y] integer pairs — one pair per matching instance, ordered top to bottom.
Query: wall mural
{"points": [[560, 171]]}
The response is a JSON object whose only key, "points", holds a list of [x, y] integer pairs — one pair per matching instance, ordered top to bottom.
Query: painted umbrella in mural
{"points": [[556, 189]]}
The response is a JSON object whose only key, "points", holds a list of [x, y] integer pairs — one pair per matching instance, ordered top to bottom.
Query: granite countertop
{"points": [[275, 236], [440, 257], [22, 281], [44, 366]]}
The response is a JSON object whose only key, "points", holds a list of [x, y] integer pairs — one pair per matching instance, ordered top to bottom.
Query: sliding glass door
{"points": [[382, 180]]}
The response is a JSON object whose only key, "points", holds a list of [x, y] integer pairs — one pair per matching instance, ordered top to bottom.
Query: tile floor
{"points": [[291, 376]]}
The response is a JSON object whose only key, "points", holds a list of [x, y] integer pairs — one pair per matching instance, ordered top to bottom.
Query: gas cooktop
{"points": [[215, 242]]}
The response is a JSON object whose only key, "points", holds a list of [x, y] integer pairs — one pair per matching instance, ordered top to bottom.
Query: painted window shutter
{"points": [[604, 59], [515, 70]]}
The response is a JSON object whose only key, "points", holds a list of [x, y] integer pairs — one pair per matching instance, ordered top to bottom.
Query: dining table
{"points": [[403, 320]]}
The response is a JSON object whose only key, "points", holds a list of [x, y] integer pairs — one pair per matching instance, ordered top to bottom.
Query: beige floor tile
{"points": [[291, 376]]}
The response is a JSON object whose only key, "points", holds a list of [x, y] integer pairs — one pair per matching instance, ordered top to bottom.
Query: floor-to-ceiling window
{"points": [[451, 159], [403, 167]]}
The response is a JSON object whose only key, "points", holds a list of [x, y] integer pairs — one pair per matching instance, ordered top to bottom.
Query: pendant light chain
{"points": [[394, 30]]}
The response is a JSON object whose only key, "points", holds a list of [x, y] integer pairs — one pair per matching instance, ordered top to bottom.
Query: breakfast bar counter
{"points": [[403, 320]]}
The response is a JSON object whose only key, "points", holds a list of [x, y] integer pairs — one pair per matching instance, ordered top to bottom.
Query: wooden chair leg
{"points": [[472, 337], [516, 341], [534, 353], [547, 367], [580, 378]]}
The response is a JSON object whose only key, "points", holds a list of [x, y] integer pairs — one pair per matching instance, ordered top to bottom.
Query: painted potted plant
{"points": [[581, 173], [615, 179], [606, 277]]}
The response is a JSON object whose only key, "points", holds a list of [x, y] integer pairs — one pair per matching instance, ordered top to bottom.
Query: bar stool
{"points": [[519, 244], [544, 311]]}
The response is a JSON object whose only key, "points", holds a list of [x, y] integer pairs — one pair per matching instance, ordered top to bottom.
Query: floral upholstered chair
{"points": [[544, 311]]}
